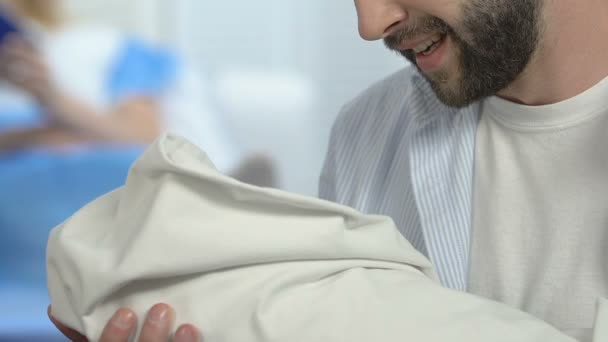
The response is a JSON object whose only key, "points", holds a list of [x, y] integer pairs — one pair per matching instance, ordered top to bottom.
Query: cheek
{"points": [[447, 10], [454, 64]]}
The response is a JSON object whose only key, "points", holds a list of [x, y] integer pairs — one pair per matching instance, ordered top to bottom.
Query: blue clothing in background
{"points": [[141, 70], [41, 187]]}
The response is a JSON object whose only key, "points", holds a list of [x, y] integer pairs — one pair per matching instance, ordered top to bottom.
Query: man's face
{"points": [[467, 49]]}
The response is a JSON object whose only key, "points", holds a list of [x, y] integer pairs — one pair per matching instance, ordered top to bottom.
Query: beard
{"points": [[494, 42]]}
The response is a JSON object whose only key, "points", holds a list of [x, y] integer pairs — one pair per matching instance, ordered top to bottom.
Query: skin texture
{"points": [[492, 44], [559, 46], [157, 327]]}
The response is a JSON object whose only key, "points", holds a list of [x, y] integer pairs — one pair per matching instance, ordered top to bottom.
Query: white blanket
{"points": [[252, 264]]}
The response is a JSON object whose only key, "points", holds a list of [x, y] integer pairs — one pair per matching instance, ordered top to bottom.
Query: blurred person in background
{"points": [[52, 76], [64, 84], [77, 106]]}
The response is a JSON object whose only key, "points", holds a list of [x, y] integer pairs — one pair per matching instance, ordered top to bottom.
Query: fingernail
{"points": [[159, 314], [123, 319], [186, 334]]}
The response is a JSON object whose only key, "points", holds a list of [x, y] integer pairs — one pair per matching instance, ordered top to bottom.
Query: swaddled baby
{"points": [[252, 264]]}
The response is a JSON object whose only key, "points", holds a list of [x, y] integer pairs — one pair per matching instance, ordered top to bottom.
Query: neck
{"points": [[572, 56]]}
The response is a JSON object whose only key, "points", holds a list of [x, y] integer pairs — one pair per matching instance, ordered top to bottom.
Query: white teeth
{"points": [[426, 44], [423, 46], [430, 51]]}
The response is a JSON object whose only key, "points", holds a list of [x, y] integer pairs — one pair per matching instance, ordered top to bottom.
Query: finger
{"points": [[15, 40], [17, 44], [17, 50], [25, 57], [15, 66], [25, 71], [26, 80], [158, 324], [120, 327], [187, 333], [72, 335]]}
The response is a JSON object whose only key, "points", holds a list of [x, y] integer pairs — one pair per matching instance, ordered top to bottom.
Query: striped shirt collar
{"points": [[442, 157]]}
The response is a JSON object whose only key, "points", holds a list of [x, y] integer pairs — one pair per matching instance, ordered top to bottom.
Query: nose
{"points": [[379, 18]]}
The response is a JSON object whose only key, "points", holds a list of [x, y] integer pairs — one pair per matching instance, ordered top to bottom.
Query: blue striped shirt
{"points": [[397, 151]]}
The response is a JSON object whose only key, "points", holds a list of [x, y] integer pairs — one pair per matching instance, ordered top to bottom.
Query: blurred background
{"points": [[267, 64], [257, 85]]}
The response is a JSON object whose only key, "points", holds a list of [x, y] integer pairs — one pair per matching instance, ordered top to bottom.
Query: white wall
{"points": [[315, 40]]}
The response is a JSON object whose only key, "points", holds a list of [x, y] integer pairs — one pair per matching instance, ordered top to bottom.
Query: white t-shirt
{"points": [[540, 221]]}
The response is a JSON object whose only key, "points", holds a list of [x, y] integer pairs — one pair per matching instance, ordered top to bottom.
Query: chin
{"points": [[450, 94]]}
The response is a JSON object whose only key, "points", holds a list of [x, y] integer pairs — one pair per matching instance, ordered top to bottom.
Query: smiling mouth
{"points": [[430, 45]]}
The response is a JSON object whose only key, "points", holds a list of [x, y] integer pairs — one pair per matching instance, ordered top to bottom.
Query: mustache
{"points": [[416, 28]]}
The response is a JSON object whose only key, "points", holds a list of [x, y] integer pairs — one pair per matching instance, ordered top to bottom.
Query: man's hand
{"points": [[157, 327]]}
